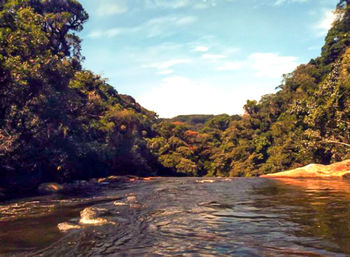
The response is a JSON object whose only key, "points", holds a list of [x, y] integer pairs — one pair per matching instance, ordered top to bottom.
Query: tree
{"points": [[62, 17]]}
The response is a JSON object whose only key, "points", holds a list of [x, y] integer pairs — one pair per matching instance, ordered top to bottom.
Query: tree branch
{"points": [[336, 142]]}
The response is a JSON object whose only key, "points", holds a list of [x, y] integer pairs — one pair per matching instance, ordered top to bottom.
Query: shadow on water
{"points": [[186, 217], [30, 224]]}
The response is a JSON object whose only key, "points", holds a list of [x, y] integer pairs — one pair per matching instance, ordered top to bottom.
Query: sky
{"points": [[201, 56]]}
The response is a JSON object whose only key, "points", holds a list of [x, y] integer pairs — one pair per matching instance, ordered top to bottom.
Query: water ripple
{"points": [[185, 217]]}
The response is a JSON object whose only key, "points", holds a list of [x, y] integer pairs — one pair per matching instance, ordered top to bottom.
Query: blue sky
{"points": [[201, 56]]}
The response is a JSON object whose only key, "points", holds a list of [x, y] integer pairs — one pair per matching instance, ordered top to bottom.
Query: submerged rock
{"points": [[335, 170], [110, 179], [48, 188]]}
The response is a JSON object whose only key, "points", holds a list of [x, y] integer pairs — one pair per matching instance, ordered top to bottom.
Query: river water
{"points": [[184, 217]]}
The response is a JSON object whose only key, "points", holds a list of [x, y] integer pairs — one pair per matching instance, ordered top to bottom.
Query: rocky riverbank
{"points": [[335, 170], [72, 187]]}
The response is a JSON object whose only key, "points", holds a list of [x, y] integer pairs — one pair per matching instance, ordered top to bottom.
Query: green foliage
{"points": [[338, 37], [307, 120], [60, 122], [195, 122]]}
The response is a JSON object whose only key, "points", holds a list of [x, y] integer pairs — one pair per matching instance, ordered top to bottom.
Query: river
{"points": [[184, 217]]}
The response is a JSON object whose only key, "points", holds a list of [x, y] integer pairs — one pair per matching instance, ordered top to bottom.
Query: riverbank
{"points": [[335, 170], [77, 186]]}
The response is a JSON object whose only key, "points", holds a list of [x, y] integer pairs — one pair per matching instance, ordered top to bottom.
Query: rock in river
{"points": [[335, 170], [48, 188]]}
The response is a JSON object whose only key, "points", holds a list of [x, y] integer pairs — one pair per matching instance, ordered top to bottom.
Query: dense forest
{"points": [[60, 122]]}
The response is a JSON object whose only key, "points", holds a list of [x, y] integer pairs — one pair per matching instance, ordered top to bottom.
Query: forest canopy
{"points": [[60, 122]]}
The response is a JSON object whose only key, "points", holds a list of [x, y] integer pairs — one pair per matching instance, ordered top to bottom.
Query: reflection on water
{"points": [[185, 217]]}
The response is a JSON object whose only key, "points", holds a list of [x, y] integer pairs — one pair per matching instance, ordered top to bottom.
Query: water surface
{"points": [[184, 217]]}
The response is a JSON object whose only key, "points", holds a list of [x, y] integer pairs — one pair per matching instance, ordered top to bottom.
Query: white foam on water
{"points": [[205, 181], [131, 198], [116, 203], [89, 216], [65, 226]]}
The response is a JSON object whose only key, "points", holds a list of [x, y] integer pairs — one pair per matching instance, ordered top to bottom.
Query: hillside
{"points": [[195, 121], [306, 121], [60, 122]]}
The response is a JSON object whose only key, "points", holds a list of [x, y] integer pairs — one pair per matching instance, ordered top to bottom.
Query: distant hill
{"points": [[195, 121], [60, 122]]}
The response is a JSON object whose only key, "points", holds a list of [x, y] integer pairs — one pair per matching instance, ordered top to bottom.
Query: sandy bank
{"points": [[335, 170]]}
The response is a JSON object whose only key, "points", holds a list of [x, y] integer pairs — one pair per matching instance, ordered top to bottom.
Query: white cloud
{"points": [[281, 2], [167, 4], [176, 4], [204, 4], [201, 6], [111, 8], [185, 20], [325, 23], [162, 25], [152, 28], [113, 32], [107, 33], [95, 34], [201, 49], [232, 50], [213, 56], [167, 64], [271, 65], [230, 66], [163, 68], [165, 72], [180, 95]]}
